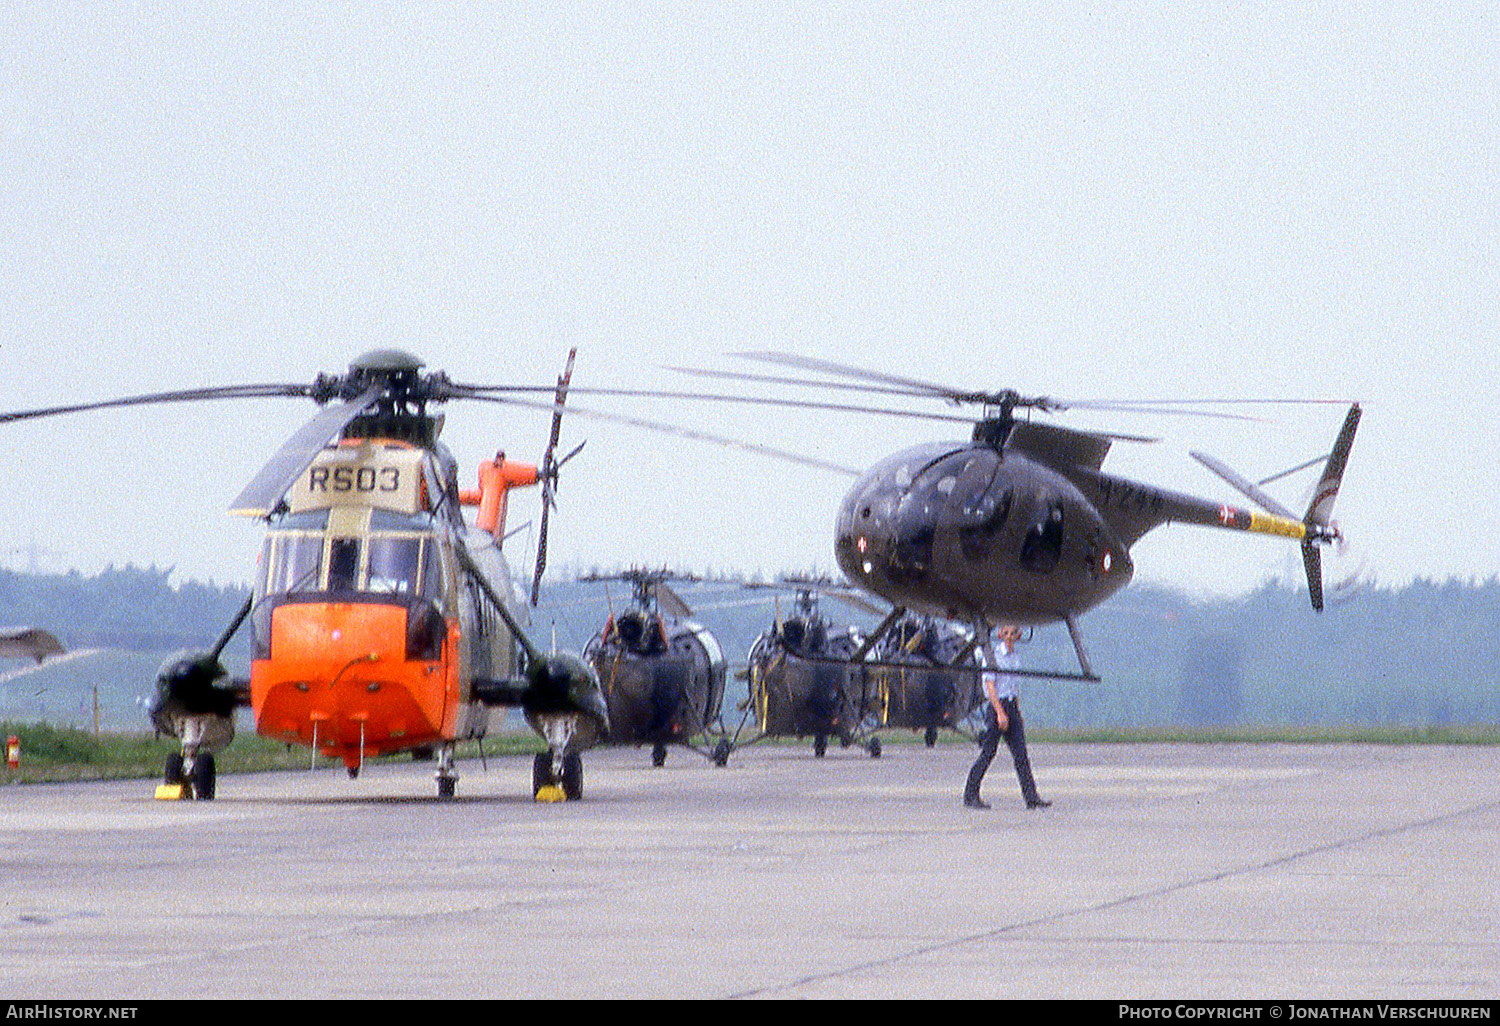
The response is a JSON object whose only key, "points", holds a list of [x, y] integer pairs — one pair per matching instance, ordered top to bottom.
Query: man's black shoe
{"points": [[973, 801]]}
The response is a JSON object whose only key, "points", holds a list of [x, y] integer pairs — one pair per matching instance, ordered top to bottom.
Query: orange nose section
{"points": [[337, 679]]}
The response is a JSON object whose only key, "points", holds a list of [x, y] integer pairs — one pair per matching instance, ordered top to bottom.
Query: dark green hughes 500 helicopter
{"points": [[1020, 524]]}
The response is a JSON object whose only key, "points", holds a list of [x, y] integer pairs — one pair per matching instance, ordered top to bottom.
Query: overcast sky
{"points": [[1090, 201]]}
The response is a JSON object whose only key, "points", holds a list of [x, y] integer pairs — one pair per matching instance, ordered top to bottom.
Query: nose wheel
{"points": [[447, 773], [189, 776], [549, 779]]}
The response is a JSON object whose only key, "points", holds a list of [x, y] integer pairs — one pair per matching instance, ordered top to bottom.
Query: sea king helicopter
{"points": [[1019, 524], [380, 620], [662, 671]]}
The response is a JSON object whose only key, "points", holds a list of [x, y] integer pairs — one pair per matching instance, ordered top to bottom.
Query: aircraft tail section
{"points": [[1316, 527]]}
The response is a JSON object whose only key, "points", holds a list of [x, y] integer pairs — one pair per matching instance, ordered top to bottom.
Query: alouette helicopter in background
{"points": [[1020, 525], [380, 621], [29, 643], [662, 672], [808, 676], [802, 677], [924, 677]]}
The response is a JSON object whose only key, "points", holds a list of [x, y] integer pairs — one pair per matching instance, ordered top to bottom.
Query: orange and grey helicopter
{"points": [[1020, 524], [380, 620], [662, 671]]}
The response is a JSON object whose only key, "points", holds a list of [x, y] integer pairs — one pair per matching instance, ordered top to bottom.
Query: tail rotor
{"points": [[1318, 526], [1321, 528]]}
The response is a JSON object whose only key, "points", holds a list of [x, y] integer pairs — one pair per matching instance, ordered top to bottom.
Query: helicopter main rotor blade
{"points": [[844, 370], [775, 379], [182, 396], [747, 400], [1047, 404], [681, 432], [549, 475], [1243, 485], [264, 492], [850, 597], [671, 601], [229, 631], [534, 655]]}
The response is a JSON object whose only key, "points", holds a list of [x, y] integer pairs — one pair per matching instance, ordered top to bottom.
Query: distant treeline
{"points": [[130, 608], [1426, 654]]}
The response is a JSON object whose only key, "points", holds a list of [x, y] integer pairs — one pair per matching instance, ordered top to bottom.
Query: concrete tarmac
{"points": [[1162, 872]]}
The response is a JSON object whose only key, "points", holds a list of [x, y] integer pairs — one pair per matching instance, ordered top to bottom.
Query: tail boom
{"points": [[1314, 529]]}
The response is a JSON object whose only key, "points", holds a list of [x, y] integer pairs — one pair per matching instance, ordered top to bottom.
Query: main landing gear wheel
{"points": [[930, 737], [820, 745], [873, 747], [721, 752], [658, 754], [447, 772], [541, 773], [174, 775], [572, 776], [205, 777], [571, 781], [199, 782]]}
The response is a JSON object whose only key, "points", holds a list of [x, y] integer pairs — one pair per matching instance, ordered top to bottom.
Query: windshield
{"points": [[291, 561], [404, 564], [395, 565]]}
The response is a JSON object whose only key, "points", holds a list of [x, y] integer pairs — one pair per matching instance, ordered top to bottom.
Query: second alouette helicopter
{"points": [[1020, 525], [380, 620], [661, 671], [924, 677], [803, 678]]}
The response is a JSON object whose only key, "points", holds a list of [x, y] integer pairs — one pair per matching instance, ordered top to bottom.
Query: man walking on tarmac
{"points": [[1003, 720]]}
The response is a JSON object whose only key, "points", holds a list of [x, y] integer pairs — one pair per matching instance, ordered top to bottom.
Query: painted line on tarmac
{"points": [[1354, 840]]}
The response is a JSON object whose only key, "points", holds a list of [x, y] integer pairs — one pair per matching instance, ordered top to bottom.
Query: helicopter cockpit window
{"points": [[974, 502], [916, 515], [983, 522], [1042, 547], [911, 551], [293, 562], [405, 564], [394, 565]]}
